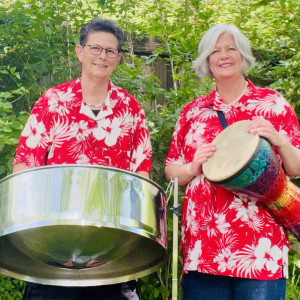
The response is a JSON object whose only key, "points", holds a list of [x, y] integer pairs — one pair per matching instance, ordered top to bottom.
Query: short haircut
{"points": [[97, 25], [208, 43]]}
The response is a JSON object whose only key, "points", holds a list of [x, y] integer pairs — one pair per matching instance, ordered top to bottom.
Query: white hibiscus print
{"points": [[122, 95], [58, 100], [270, 105], [192, 113], [80, 130], [110, 130], [35, 132], [59, 133], [195, 134], [138, 155], [90, 159], [33, 161], [245, 209], [190, 215], [218, 224], [194, 256], [267, 256], [285, 256], [225, 260]]}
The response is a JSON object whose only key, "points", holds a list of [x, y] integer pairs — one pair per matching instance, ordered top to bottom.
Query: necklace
{"points": [[94, 105]]}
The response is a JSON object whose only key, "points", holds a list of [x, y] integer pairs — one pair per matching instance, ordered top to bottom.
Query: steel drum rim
{"points": [[85, 166], [86, 223], [82, 283]]}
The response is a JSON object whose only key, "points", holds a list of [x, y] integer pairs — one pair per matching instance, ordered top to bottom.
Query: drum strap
{"points": [[222, 119]]}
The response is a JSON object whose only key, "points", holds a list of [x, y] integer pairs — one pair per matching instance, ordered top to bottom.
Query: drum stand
{"points": [[175, 210]]}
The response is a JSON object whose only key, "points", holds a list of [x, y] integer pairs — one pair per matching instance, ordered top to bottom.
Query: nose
{"points": [[103, 54], [224, 54]]}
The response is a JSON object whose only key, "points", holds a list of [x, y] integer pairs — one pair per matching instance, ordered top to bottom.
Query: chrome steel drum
{"points": [[80, 225]]}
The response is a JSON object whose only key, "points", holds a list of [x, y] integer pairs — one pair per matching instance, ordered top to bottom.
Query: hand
{"points": [[264, 128], [201, 155]]}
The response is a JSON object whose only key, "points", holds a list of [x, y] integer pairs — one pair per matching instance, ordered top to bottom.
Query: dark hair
{"points": [[96, 25]]}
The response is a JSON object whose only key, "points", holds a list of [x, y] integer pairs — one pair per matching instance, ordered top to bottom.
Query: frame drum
{"points": [[247, 165], [81, 225]]}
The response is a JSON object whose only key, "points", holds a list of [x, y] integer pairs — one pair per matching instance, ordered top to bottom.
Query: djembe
{"points": [[247, 165]]}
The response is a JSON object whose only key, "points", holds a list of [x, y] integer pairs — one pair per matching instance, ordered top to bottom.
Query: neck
{"points": [[230, 89], [94, 92]]}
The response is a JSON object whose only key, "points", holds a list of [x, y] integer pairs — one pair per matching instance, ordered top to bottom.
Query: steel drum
{"points": [[81, 225]]}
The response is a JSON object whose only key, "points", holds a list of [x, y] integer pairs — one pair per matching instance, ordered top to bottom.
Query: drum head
{"points": [[235, 148], [79, 225]]}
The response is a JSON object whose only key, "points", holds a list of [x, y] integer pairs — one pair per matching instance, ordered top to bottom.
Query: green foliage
{"points": [[37, 39], [10, 124], [293, 284], [11, 289]]}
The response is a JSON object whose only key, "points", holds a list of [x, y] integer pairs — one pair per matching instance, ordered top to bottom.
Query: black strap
{"points": [[222, 119]]}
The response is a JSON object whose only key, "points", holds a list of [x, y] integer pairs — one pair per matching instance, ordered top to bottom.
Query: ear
{"points": [[79, 50], [120, 58]]}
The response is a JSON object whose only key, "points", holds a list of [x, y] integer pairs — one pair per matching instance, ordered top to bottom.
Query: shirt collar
{"points": [[219, 104], [107, 109]]}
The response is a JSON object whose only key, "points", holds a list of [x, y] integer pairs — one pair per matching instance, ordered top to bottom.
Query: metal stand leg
{"points": [[175, 243]]}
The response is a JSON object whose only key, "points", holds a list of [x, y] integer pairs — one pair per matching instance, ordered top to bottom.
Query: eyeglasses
{"points": [[97, 50]]}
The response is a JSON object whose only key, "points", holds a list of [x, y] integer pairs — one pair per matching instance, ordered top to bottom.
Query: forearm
{"points": [[290, 158], [19, 167], [143, 173], [184, 173]]}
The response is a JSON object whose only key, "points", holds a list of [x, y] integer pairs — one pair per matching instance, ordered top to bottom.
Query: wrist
{"points": [[283, 143], [192, 171]]}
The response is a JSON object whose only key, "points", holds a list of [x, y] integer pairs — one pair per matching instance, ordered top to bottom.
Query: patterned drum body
{"points": [[247, 165], [287, 208]]}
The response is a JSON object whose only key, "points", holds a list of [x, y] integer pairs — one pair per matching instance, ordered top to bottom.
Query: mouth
{"points": [[225, 65], [100, 66]]}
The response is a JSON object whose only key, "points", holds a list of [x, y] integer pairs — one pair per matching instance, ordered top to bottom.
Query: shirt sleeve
{"points": [[284, 119], [291, 127], [34, 140], [175, 154], [140, 159]]}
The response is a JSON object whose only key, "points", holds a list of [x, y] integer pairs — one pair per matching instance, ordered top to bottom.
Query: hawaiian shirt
{"points": [[62, 129], [222, 233]]}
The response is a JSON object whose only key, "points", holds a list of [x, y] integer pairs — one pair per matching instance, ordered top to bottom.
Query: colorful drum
{"points": [[247, 165]]}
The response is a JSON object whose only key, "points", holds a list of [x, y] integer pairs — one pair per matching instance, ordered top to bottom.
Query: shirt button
{"points": [[226, 115], [96, 149], [205, 203], [204, 228]]}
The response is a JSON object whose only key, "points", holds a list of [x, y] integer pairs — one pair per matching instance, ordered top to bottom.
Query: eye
{"points": [[96, 48], [111, 51], [215, 51]]}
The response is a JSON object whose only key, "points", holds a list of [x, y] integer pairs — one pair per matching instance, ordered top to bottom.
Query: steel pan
{"points": [[80, 225]]}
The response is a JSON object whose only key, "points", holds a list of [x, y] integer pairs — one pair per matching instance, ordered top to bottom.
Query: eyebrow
{"points": [[103, 47]]}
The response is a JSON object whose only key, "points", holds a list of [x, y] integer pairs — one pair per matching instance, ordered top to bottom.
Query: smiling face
{"points": [[225, 61], [98, 66]]}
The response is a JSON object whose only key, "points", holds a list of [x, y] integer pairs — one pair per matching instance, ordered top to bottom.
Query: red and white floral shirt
{"points": [[62, 129], [221, 233]]}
